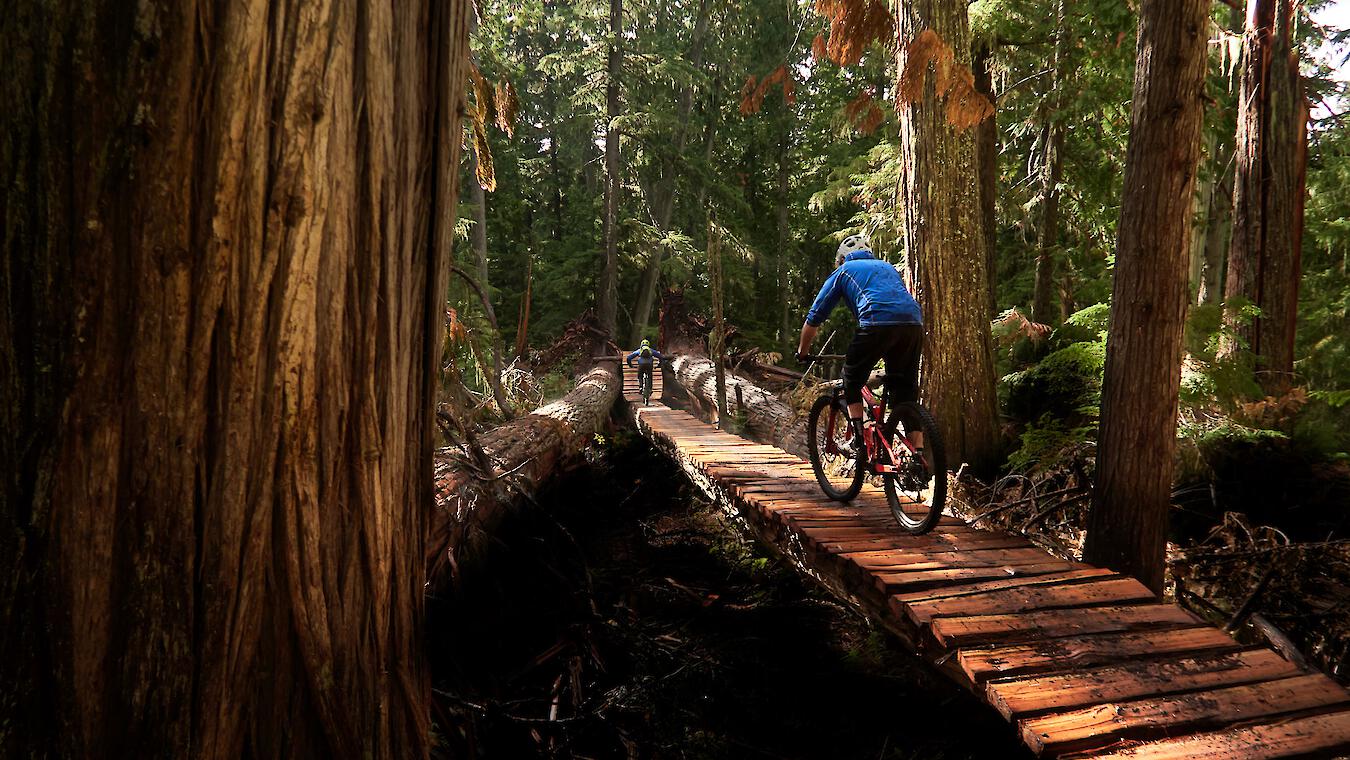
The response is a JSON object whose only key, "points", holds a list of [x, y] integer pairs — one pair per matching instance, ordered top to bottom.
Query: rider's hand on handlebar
{"points": [[803, 357]]}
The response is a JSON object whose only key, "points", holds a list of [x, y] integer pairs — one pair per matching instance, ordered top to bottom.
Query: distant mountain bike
{"points": [[645, 384], [915, 483]]}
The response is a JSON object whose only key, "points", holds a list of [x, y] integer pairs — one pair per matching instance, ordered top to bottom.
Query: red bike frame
{"points": [[875, 411]]}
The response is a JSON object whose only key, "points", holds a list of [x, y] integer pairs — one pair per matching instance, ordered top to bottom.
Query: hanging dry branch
{"points": [[854, 25], [752, 94], [507, 107], [966, 107], [484, 110], [863, 114]]}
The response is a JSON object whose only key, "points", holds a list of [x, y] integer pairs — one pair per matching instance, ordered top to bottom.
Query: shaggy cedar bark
{"points": [[1271, 158], [945, 249], [224, 266], [606, 298], [767, 418], [523, 454], [1127, 527]]}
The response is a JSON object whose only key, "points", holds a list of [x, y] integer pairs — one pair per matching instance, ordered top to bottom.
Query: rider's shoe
{"points": [[853, 448]]}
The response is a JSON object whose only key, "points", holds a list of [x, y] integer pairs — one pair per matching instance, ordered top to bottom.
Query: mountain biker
{"points": [[890, 327], [645, 356]]}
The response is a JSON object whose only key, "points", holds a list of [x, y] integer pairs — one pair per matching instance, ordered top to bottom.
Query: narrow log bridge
{"points": [[1084, 662]]}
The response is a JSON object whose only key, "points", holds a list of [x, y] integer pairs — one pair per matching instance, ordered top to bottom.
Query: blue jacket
{"points": [[873, 291], [643, 361]]}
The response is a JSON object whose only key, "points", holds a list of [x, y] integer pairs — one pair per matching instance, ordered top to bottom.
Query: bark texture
{"points": [[1271, 158], [945, 249], [225, 251], [768, 419], [523, 454], [1127, 527]]}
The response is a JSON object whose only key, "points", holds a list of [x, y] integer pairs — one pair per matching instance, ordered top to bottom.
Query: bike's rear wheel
{"points": [[839, 476], [918, 492]]}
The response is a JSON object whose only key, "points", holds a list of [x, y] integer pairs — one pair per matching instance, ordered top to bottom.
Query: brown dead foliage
{"points": [[854, 25], [752, 93], [507, 107], [966, 107], [484, 111], [863, 113]]}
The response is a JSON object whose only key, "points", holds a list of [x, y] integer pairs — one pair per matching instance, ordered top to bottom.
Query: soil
{"points": [[623, 616]]}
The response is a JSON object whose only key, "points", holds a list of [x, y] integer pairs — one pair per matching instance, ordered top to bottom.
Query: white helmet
{"points": [[851, 244]]}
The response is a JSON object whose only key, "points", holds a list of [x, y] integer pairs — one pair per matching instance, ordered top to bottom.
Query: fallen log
{"points": [[768, 418], [523, 454]]}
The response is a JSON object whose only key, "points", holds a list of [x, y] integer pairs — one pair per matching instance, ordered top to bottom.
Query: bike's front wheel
{"points": [[827, 429], [917, 491]]}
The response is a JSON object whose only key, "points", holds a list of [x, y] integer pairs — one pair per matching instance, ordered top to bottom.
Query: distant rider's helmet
{"points": [[851, 244], [646, 343]]}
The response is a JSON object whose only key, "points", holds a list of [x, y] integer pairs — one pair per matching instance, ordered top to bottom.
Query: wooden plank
{"points": [[933, 541], [886, 560], [930, 575], [1081, 575], [1031, 596], [1040, 624], [1070, 653], [1022, 696], [1099, 726], [1291, 737]]}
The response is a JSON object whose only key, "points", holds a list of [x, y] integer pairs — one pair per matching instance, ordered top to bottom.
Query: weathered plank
{"points": [[932, 575], [1031, 596], [1042, 624], [1051, 655], [1135, 679], [1101, 725], [1322, 735]]}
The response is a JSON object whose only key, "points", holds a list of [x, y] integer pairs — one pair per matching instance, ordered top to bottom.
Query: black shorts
{"points": [[900, 346]]}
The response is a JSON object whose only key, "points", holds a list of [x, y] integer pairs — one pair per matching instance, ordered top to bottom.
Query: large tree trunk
{"points": [[1052, 144], [986, 146], [1271, 156], [665, 189], [226, 231], [944, 244], [606, 298], [768, 419], [523, 454], [1127, 527]]}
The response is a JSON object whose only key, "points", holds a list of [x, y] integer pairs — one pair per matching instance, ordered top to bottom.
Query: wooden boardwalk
{"points": [[630, 382], [1082, 661]]}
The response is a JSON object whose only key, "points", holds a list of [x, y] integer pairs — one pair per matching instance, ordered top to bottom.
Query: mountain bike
{"points": [[645, 384], [914, 479]]}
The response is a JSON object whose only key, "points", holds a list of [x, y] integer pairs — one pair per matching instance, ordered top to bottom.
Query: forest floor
{"points": [[623, 616]]}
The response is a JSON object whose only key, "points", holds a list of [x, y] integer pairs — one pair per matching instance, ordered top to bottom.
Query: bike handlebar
{"points": [[820, 357]]}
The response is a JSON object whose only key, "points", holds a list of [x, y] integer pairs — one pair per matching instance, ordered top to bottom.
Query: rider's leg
{"points": [[862, 355], [902, 371]]}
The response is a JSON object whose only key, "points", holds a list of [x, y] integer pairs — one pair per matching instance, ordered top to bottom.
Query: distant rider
{"points": [[890, 327], [645, 356]]}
